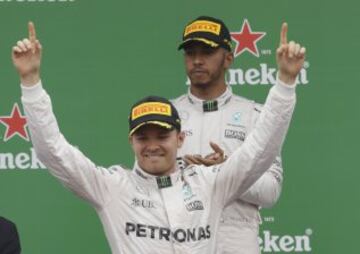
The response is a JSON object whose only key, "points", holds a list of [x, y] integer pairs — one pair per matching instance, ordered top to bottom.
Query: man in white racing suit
{"points": [[210, 112], [157, 207]]}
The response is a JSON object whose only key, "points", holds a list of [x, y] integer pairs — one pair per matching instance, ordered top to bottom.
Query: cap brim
{"points": [[198, 39], [159, 123]]}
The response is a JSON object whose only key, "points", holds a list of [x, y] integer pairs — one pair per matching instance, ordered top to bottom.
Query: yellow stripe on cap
{"points": [[203, 26], [206, 41], [149, 108], [161, 124]]}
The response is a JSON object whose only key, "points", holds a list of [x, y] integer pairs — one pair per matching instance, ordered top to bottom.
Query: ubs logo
{"points": [[148, 204]]}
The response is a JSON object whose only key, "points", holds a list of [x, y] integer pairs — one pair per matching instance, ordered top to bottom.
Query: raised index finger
{"points": [[32, 32], [283, 33]]}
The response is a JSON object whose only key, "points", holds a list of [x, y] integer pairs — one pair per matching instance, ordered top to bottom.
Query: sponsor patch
{"points": [[240, 135], [163, 182], [142, 203], [195, 205], [161, 233]]}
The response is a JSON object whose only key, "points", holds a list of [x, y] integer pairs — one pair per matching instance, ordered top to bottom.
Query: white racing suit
{"points": [[227, 121], [142, 213]]}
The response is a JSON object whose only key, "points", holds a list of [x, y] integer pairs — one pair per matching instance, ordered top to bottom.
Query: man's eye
{"points": [[208, 51], [165, 136], [141, 138]]}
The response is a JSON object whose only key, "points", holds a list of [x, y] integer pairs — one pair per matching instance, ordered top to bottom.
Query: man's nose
{"points": [[198, 59], [152, 145]]}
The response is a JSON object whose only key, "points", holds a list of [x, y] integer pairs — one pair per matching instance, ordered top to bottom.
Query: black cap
{"points": [[208, 30], [153, 110]]}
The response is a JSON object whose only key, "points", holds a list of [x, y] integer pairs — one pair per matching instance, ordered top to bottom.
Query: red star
{"points": [[246, 39], [15, 124]]}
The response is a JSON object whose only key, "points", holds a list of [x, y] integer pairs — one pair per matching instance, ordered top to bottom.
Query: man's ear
{"points": [[229, 59], [181, 138], [131, 140]]}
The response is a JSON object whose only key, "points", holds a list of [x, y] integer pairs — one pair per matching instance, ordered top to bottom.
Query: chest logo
{"points": [[236, 117], [233, 134], [148, 204], [194, 205]]}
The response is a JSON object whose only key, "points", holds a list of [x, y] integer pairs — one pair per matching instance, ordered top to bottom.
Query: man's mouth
{"points": [[198, 72], [150, 156]]}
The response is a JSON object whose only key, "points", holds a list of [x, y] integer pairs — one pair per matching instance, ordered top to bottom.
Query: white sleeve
{"points": [[63, 160], [249, 162], [266, 191]]}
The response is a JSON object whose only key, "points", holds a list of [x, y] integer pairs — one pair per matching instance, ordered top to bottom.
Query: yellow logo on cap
{"points": [[203, 26], [149, 108]]}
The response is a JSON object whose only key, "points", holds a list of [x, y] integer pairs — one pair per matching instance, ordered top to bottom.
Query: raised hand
{"points": [[26, 56], [290, 57]]}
